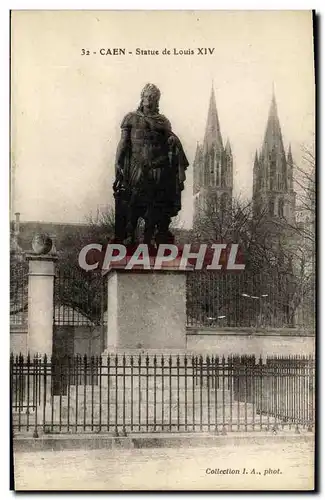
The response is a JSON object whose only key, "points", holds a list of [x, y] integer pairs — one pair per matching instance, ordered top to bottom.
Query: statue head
{"points": [[150, 96]]}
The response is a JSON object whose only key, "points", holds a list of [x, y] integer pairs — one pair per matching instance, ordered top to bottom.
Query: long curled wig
{"points": [[154, 90]]}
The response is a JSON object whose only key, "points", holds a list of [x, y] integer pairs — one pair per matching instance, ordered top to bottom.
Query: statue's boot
{"points": [[149, 230], [147, 238], [164, 238], [130, 240]]}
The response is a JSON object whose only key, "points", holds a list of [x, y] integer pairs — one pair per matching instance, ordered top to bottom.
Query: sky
{"points": [[66, 108]]}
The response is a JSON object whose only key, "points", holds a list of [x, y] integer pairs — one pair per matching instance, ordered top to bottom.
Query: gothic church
{"points": [[273, 193]]}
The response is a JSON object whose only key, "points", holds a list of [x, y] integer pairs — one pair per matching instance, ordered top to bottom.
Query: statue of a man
{"points": [[150, 172]]}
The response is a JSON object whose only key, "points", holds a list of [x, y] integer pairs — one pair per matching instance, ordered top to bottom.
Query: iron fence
{"points": [[18, 291], [80, 298], [212, 299], [247, 300], [130, 394]]}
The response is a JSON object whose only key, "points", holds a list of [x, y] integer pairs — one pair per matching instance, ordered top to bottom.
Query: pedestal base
{"points": [[146, 310]]}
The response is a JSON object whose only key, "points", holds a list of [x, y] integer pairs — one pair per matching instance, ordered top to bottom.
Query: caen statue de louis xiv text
{"points": [[118, 51]]}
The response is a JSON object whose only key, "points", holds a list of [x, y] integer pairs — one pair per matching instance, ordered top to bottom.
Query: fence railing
{"points": [[18, 292], [80, 298], [212, 299], [247, 300], [130, 394]]}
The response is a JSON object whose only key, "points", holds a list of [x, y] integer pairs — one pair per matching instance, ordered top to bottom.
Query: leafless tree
{"points": [[278, 255], [18, 284], [84, 291]]}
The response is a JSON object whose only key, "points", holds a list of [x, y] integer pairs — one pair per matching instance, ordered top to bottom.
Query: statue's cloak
{"points": [[152, 161]]}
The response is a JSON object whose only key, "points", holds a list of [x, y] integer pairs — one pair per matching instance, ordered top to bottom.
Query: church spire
{"points": [[212, 135], [273, 135], [228, 147], [197, 152], [256, 160], [290, 160], [290, 168], [212, 169], [256, 176], [272, 184]]}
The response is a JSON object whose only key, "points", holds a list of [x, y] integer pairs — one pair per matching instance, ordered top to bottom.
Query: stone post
{"points": [[40, 303]]}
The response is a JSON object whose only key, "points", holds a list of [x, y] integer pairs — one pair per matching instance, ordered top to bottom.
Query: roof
{"points": [[59, 231]]}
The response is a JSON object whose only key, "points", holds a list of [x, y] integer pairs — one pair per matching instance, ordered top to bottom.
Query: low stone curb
{"points": [[25, 443]]}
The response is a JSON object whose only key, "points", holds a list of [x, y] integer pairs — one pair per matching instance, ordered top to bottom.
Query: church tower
{"points": [[212, 169], [273, 192]]}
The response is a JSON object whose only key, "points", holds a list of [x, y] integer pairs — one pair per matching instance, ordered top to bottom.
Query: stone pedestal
{"points": [[40, 304], [146, 310]]}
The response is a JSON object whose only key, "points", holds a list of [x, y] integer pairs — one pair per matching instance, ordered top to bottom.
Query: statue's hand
{"points": [[118, 171], [118, 178]]}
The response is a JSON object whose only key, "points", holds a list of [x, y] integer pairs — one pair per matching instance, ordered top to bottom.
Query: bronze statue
{"points": [[150, 173]]}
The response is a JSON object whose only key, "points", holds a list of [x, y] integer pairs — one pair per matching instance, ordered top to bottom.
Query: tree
{"points": [[303, 248], [276, 279], [18, 287], [84, 291]]}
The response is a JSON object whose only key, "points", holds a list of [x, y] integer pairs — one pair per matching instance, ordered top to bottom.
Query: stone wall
{"points": [[19, 339], [67, 339], [87, 340], [270, 343]]}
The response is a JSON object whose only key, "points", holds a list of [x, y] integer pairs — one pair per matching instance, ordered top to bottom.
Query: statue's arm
{"points": [[172, 137], [124, 143], [175, 144], [122, 149]]}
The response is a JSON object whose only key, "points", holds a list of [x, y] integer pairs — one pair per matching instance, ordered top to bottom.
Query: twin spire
{"points": [[273, 134], [212, 135], [272, 137], [273, 141], [212, 168], [272, 174]]}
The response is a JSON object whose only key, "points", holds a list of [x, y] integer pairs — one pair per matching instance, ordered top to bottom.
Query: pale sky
{"points": [[67, 107]]}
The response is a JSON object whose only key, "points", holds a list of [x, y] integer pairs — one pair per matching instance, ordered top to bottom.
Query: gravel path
{"points": [[167, 469]]}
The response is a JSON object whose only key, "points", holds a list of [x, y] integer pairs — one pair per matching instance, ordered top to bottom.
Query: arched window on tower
{"points": [[224, 169], [206, 170], [211, 172], [217, 172], [228, 175], [223, 176], [284, 176], [273, 178], [278, 181], [213, 204], [271, 207], [281, 207]]}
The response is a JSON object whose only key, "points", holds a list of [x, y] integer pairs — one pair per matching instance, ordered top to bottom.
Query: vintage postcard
{"points": [[162, 250]]}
